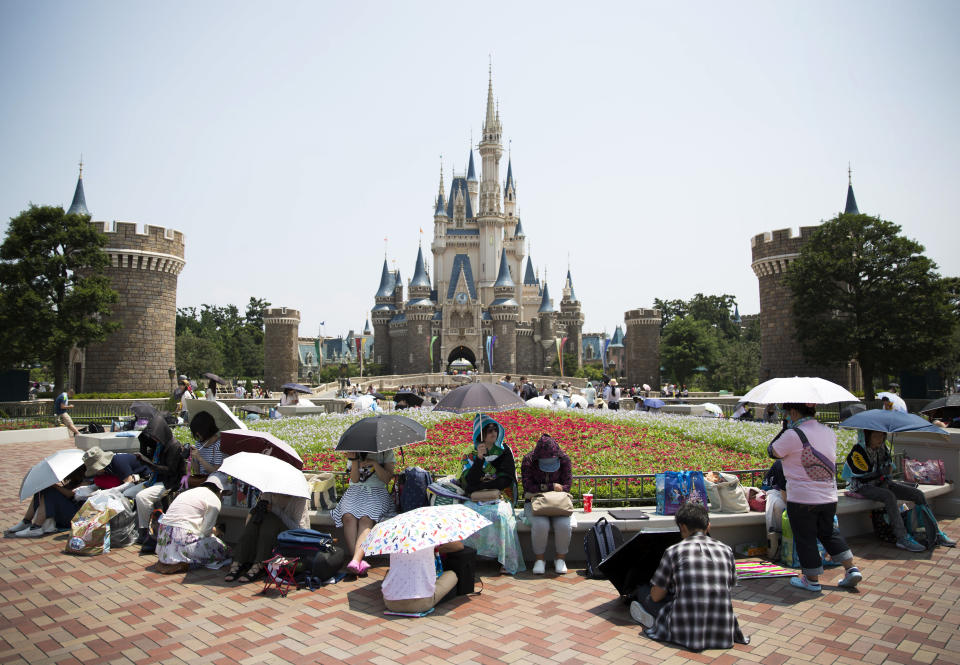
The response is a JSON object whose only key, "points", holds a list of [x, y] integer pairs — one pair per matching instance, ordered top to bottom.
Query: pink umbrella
{"points": [[233, 441]]}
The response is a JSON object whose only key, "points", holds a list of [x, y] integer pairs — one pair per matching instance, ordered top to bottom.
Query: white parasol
{"points": [[799, 390], [50, 471], [267, 474]]}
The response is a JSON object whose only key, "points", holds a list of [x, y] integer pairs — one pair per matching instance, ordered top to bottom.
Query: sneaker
{"points": [[49, 525], [16, 528], [33, 532], [942, 539], [908, 543], [560, 566], [539, 567], [851, 579], [801, 582], [640, 615]]}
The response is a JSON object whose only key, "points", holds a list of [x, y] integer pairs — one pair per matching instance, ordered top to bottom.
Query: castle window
{"points": [[589, 353]]}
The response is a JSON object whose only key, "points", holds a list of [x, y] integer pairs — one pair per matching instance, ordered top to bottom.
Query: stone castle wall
{"points": [[144, 267], [281, 327], [642, 346]]}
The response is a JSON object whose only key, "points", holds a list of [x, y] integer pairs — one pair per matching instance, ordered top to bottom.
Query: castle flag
{"points": [[432, 341]]}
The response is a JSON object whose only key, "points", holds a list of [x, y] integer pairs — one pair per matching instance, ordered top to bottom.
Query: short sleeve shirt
{"points": [[58, 404], [810, 471], [368, 476], [411, 576]]}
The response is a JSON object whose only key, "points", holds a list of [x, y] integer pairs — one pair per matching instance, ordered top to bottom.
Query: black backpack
{"points": [[95, 428], [599, 542], [319, 557]]}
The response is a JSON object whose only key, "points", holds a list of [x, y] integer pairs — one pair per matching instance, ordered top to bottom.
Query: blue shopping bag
{"points": [[674, 488]]}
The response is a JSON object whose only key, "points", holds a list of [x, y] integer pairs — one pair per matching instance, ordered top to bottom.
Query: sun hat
{"points": [[613, 382], [96, 459], [216, 479]]}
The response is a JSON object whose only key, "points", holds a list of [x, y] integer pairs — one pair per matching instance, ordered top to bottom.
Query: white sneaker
{"points": [[49, 525], [16, 528], [32, 532], [560, 566], [539, 567], [640, 615]]}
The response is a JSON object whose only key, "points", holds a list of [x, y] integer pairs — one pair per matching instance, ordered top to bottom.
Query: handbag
{"points": [[925, 472], [674, 488], [323, 491], [485, 495], [757, 499], [551, 504]]}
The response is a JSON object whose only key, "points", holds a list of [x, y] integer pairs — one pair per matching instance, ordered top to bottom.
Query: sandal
{"points": [[234, 572], [254, 573]]}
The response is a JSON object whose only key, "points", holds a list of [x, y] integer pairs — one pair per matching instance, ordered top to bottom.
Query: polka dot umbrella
{"points": [[379, 433]]}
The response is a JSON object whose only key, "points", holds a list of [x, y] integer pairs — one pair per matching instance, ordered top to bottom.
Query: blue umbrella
{"points": [[653, 403], [890, 421]]}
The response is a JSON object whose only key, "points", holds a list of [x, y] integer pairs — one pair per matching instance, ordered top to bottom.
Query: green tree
{"points": [[863, 291], [55, 295], [686, 344], [196, 355], [738, 366]]}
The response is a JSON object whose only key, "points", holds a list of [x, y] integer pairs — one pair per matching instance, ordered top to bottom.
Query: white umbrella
{"points": [[646, 387], [799, 390], [578, 400], [363, 403], [540, 403], [898, 403], [710, 407], [222, 415], [50, 471], [267, 474]]}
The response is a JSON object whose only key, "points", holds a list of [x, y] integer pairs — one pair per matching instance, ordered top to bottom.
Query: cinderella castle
{"points": [[476, 307]]}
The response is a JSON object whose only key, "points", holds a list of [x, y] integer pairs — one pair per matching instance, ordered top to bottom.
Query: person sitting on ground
{"points": [[60, 407], [205, 457], [166, 462], [868, 468], [109, 469], [547, 469], [489, 473], [365, 502], [51, 509], [273, 513], [188, 535], [412, 585], [688, 599]]}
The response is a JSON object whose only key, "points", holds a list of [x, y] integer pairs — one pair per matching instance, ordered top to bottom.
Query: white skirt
{"points": [[364, 501]]}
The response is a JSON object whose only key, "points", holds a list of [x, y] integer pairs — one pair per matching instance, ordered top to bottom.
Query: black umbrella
{"points": [[213, 377], [299, 387], [377, 395], [480, 397], [412, 399], [943, 403], [850, 409], [143, 411], [379, 433], [635, 562]]}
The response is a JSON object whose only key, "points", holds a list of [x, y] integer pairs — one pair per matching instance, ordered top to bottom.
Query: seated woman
{"points": [[290, 397], [205, 457], [166, 462], [492, 467], [547, 469], [867, 469], [110, 470], [365, 502], [51, 509], [272, 514], [188, 535], [412, 585], [689, 595]]}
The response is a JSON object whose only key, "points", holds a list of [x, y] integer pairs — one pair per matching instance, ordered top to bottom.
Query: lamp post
{"points": [[172, 372]]}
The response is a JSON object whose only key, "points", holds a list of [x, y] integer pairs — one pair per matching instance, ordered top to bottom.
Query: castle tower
{"points": [[473, 184], [510, 199], [79, 204], [490, 217], [143, 270], [530, 294], [383, 310], [505, 311], [419, 313], [547, 319], [571, 323], [281, 326], [642, 345]]}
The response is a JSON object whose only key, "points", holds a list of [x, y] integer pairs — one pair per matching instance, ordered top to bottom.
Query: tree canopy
{"points": [[863, 291], [55, 294], [221, 340], [687, 343]]}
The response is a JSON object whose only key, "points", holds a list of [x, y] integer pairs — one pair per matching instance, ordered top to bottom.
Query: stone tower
{"points": [[143, 271], [383, 310], [505, 311], [419, 312], [571, 323], [281, 327], [548, 329], [642, 344], [780, 352]]}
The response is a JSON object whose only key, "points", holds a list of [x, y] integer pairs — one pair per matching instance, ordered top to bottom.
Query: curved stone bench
{"points": [[730, 528]]}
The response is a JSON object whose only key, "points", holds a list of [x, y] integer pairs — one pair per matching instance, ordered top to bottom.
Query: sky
{"points": [[650, 141]]}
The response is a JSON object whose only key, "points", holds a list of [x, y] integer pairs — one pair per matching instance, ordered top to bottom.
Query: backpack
{"points": [[94, 428], [411, 488], [922, 525], [598, 543], [319, 558]]}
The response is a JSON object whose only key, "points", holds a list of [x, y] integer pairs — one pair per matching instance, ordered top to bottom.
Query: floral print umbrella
{"points": [[421, 528]]}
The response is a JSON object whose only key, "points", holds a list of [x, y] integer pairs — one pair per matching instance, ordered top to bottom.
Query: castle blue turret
{"points": [[79, 204]]}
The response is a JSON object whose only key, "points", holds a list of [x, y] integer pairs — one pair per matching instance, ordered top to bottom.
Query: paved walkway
{"points": [[58, 608]]}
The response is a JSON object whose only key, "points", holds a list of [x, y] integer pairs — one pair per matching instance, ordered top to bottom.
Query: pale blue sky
{"points": [[650, 140]]}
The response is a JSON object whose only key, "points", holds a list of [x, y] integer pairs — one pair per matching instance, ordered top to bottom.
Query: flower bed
{"points": [[10, 425]]}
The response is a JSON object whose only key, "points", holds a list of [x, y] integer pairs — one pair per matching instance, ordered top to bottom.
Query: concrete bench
{"points": [[730, 528]]}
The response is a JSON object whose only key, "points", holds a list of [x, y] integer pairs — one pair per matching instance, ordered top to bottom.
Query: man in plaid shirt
{"points": [[689, 601]]}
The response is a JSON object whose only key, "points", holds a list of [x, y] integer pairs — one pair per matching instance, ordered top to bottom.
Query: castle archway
{"points": [[459, 356]]}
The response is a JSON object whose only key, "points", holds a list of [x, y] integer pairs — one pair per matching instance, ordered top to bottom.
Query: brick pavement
{"points": [[58, 608]]}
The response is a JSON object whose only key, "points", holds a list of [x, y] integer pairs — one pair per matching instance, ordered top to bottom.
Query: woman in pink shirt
{"points": [[809, 453], [412, 585]]}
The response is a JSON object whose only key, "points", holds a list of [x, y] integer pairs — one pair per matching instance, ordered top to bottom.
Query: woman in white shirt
{"points": [[611, 395], [188, 534]]}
